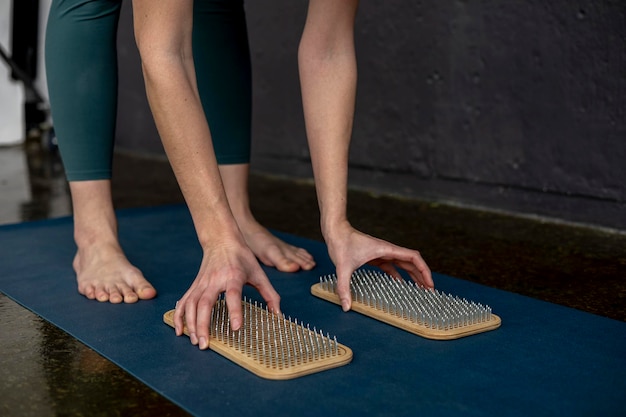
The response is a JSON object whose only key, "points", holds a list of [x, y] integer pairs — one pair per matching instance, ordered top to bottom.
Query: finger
{"points": [[412, 262], [389, 269], [419, 272], [427, 277], [343, 288], [269, 294], [233, 302], [206, 303], [179, 315], [190, 319]]}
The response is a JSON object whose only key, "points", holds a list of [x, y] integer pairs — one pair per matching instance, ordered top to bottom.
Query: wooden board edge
{"points": [[416, 329], [262, 371]]}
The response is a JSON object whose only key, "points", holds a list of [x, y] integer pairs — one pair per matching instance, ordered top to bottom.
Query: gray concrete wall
{"points": [[516, 105]]}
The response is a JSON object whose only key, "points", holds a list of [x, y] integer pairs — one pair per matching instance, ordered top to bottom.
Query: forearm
{"points": [[165, 48], [327, 65], [328, 77], [187, 142]]}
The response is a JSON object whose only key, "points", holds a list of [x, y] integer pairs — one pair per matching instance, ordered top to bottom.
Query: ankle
{"points": [[245, 219], [88, 232], [91, 239]]}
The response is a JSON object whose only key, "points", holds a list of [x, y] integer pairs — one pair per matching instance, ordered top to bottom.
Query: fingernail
{"points": [[345, 305], [236, 323], [194, 338], [203, 343]]}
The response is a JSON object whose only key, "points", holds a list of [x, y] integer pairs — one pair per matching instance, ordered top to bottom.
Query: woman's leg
{"points": [[81, 65], [223, 71]]}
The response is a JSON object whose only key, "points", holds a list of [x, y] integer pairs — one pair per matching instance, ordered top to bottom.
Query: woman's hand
{"points": [[350, 249], [225, 268]]}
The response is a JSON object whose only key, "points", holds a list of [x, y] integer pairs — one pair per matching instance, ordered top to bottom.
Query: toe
{"points": [[304, 254], [304, 259], [282, 262], [286, 265], [88, 291], [146, 292], [101, 294], [129, 296], [115, 297]]}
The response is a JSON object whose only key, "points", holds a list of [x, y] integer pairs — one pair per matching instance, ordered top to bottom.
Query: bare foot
{"points": [[269, 249], [275, 252], [105, 274]]}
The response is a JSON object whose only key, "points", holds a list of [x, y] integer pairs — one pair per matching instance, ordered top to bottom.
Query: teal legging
{"points": [[81, 69]]}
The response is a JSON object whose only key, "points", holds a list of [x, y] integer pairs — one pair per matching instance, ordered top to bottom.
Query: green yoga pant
{"points": [[81, 69]]}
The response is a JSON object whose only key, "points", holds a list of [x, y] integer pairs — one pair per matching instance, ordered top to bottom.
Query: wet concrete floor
{"points": [[45, 372]]}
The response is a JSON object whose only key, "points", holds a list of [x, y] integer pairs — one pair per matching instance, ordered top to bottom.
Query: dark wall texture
{"points": [[517, 106]]}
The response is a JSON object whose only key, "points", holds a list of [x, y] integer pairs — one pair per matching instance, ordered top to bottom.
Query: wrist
{"points": [[334, 227], [214, 229]]}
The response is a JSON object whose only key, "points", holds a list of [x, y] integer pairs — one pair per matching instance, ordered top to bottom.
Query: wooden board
{"points": [[409, 326], [282, 356]]}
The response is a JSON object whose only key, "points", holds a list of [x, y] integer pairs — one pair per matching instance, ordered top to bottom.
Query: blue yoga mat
{"points": [[545, 360]]}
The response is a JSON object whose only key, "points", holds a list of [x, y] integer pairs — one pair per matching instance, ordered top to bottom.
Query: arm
{"points": [[163, 35], [327, 63]]}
